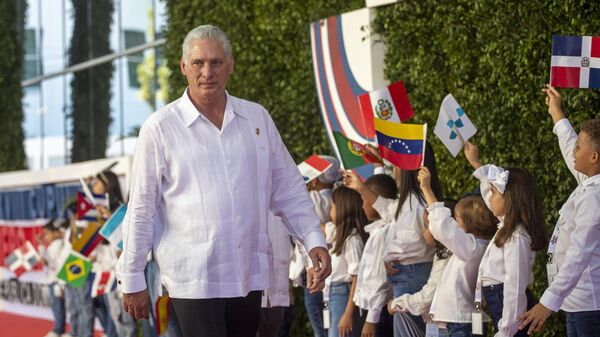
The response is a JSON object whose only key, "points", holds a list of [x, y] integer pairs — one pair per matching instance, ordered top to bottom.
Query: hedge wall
{"points": [[494, 57], [12, 151]]}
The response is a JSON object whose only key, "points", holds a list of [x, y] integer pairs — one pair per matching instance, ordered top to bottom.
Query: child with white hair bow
{"points": [[506, 267]]}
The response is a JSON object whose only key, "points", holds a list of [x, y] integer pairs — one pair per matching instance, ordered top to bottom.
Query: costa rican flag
{"points": [[575, 61]]}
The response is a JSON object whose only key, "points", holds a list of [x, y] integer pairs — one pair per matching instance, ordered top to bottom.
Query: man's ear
{"points": [[182, 66], [595, 158]]}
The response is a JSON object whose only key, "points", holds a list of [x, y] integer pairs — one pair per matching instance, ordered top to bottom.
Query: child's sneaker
{"points": [[52, 334], [66, 335]]}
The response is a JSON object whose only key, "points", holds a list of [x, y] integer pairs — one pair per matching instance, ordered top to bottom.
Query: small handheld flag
{"points": [[575, 61], [390, 103], [453, 126], [402, 144], [352, 154], [313, 167], [111, 230], [89, 239], [23, 259], [75, 270], [102, 282], [162, 314]]}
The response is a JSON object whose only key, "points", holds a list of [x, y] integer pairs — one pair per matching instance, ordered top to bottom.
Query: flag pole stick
{"points": [[424, 143]]}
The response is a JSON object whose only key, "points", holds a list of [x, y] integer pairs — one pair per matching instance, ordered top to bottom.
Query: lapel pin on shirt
{"points": [[257, 131]]}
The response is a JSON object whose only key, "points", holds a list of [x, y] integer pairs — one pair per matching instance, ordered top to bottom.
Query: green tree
{"points": [[12, 20], [90, 89]]}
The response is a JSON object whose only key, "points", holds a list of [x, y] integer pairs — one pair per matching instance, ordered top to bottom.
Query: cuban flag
{"points": [[575, 61], [313, 167], [86, 207], [111, 230], [23, 259], [102, 282]]}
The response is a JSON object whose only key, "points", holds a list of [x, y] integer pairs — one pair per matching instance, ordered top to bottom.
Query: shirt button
{"points": [[234, 188]]}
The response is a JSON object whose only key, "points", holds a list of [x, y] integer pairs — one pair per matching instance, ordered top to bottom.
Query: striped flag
{"points": [[575, 61], [390, 104], [402, 144], [313, 167], [86, 208], [111, 230], [89, 239], [23, 259], [102, 282], [162, 314]]}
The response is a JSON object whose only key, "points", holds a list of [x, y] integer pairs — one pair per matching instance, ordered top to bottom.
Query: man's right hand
{"points": [[137, 304]]}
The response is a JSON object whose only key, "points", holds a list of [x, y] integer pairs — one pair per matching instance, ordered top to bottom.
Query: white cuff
{"points": [[561, 127], [435, 206], [314, 239], [131, 283], [551, 301], [373, 315]]}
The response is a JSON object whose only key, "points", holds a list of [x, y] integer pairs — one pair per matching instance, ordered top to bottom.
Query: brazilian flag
{"points": [[352, 154], [75, 270]]}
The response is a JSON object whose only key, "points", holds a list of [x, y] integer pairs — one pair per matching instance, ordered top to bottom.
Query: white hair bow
{"points": [[498, 177]]}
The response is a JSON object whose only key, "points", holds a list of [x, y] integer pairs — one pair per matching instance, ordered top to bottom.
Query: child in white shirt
{"points": [[52, 237], [346, 237], [467, 238], [575, 244], [506, 267], [372, 289]]}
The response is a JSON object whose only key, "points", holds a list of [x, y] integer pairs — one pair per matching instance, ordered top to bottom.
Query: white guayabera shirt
{"points": [[200, 198]]}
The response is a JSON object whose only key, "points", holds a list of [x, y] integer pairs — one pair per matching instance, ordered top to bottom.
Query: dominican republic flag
{"points": [[575, 61], [390, 103], [402, 144], [313, 167], [111, 230], [23, 259], [102, 282]]}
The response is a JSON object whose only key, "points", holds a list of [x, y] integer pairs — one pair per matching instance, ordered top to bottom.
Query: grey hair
{"points": [[206, 32]]}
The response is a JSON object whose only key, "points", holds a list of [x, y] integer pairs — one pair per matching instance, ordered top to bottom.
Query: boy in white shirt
{"points": [[574, 250]]}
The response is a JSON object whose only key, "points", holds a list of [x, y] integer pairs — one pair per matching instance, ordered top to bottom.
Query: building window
{"points": [[134, 38], [31, 64]]}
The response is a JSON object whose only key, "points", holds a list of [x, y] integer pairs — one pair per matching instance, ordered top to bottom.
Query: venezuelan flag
{"points": [[402, 144]]}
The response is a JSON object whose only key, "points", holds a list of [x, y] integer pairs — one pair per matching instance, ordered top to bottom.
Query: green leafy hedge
{"points": [[494, 57], [12, 152]]}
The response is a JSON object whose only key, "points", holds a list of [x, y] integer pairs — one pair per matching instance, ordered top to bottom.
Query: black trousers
{"points": [[219, 317]]}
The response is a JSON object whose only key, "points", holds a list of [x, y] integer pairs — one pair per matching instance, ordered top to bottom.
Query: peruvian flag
{"points": [[575, 61], [390, 104], [313, 167], [23, 259], [103, 282]]}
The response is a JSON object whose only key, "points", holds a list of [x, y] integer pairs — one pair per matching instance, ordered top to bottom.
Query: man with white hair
{"points": [[207, 169]]}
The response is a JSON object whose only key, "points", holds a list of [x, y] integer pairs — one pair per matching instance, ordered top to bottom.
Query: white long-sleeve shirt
{"points": [[200, 196], [404, 241], [345, 264], [510, 264], [576, 287], [372, 288], [278, 293], [454, 298], [419, 303]]}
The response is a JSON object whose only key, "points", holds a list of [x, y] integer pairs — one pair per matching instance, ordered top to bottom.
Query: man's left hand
{"points": [[322, 267], [536, 316]]}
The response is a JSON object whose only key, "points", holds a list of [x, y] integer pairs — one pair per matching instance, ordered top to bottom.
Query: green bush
{"points": [[494, 57], [12, 152]]}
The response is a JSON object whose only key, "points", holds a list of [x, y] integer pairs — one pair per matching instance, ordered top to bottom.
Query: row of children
{"points": [[440, 263], [80, 303]]}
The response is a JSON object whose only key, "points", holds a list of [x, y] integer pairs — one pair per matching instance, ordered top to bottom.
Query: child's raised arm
{"points": [[424, 178]]}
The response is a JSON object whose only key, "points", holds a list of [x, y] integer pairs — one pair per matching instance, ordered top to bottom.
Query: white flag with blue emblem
{"points": [[453, 126]]}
